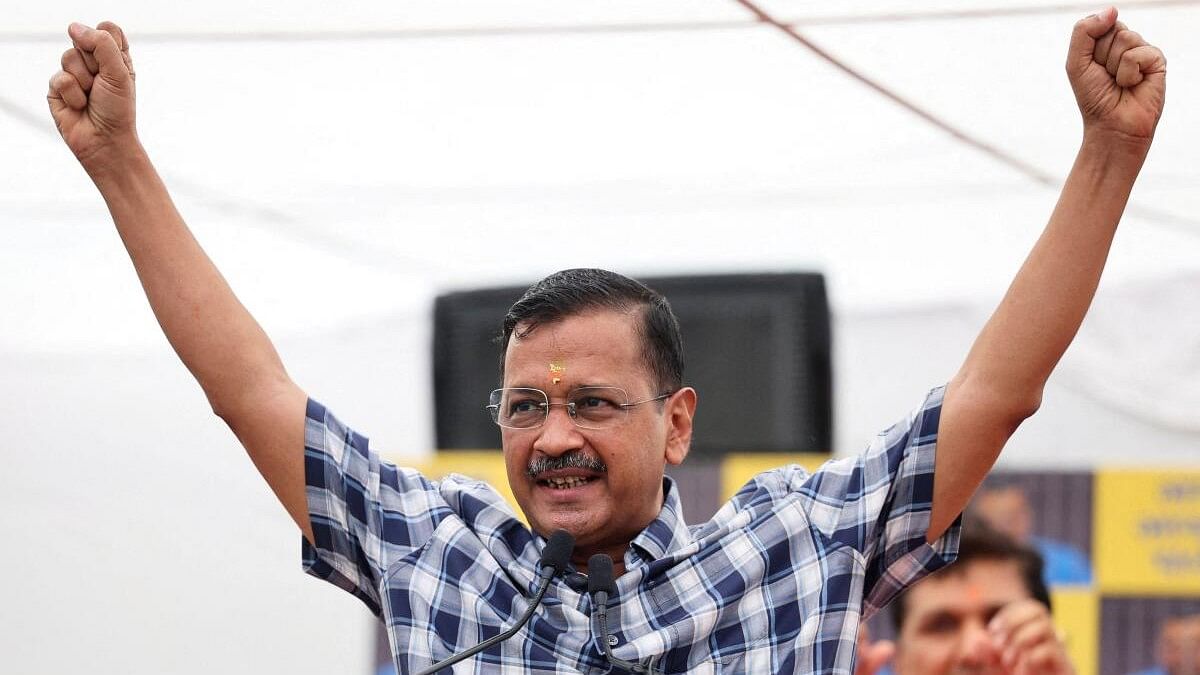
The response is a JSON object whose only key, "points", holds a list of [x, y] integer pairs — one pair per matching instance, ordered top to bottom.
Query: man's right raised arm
{"points": [[92, 102]]}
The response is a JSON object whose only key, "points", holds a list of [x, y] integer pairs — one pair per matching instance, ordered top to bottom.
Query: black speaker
{"points": [[756, 348]]}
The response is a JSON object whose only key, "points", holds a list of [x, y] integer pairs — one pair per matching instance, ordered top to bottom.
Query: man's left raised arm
{"points": [[1120, 84]]}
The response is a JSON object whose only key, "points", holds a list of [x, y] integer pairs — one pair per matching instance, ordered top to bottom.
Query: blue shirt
{"points": [[1064, 564], [777, 581]]}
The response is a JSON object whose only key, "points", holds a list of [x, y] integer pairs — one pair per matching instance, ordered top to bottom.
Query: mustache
{"points": [[571, 460]]}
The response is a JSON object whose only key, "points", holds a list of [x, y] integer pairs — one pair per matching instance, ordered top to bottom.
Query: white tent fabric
{"points": [[344, 163], [1142, 355]]}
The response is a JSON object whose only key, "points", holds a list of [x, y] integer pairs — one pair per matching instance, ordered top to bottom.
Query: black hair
{"points": [[574, 291], [980, 541]]}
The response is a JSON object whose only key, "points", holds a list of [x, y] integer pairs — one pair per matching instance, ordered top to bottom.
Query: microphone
{"points": [[555, 557], [601, 587]]}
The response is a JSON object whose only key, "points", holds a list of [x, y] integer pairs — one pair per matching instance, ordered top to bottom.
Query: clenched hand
{"points": [[1119, 80], [92, 97]]}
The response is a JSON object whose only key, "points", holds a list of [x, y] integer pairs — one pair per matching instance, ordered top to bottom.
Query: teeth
{"points": [[564, 483]]}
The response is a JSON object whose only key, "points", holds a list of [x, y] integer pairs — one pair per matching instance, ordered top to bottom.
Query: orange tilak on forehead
{"points": [[557, 368], [974, 592]]}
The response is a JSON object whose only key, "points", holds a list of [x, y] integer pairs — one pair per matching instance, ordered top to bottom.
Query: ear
{"points": [[679, 411]]}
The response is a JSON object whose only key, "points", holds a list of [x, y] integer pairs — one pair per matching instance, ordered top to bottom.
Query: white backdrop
{"points": [[342, 168]]}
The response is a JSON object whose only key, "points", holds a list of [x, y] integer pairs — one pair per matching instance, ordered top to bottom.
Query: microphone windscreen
{"points": [[558, 551], [600, 575]]}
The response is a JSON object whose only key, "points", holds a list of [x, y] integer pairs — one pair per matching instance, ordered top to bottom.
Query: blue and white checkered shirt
{"points": [[776, 582]]}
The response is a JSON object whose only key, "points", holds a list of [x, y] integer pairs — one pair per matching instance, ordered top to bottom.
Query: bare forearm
{"points": [[1119, 82], [92, 102], [1030, 330], [213, 334], [1002, 380]]}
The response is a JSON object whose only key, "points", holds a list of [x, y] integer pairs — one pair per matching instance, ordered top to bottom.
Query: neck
{"points": [[617, 553]]}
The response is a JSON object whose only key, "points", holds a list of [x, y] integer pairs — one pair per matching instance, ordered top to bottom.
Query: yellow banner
{"points": [[1147, 532], [1077, 615]]}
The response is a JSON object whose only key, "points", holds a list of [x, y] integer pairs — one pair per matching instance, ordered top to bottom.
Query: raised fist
{"points": [[1120, 81], [91, 98]]}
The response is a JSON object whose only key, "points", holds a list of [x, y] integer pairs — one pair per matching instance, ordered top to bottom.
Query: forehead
{"points": [[602, 344], [1004, 497], [976, 587], [1185, 629]]}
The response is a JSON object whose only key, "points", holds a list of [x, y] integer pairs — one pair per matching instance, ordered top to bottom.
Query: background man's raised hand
{"points": [[1119, 80], [92, 97], [1027, 642]]}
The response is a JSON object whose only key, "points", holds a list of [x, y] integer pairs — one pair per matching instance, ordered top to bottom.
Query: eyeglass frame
{"points": [[494, 408]]}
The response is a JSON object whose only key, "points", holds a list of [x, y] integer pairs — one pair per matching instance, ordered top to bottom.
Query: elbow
{"points": [[221, 399], [237, 400], [1016, 406], [1029, 406], [1006, 407], [218, 409], [223, 409], [1020, 409]]}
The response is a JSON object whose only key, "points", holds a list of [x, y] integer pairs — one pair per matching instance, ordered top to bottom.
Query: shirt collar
{"points": [[665, 533]]}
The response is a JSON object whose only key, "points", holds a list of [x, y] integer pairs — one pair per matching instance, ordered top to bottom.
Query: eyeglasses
{"points": [[588, 407]]}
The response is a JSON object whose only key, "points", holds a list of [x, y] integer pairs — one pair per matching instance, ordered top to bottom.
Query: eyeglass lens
{"points": [[589, 407]]}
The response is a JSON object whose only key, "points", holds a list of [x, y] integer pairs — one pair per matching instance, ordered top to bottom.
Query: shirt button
{"points": [[613, 640]]}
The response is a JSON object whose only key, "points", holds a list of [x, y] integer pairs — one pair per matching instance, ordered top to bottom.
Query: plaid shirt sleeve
{"points": [[879, 503], [364, 512]]}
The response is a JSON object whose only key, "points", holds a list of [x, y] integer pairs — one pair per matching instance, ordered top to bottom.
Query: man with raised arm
{"points": [[593, 405]]}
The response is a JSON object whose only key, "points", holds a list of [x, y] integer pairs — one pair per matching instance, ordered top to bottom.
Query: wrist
{"points": [[1114, 145], [1110, 160], [113, 162]]}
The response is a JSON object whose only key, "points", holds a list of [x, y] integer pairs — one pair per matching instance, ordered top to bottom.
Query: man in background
{"points": [[1007, 509], [988, 613], [1178, 647]]}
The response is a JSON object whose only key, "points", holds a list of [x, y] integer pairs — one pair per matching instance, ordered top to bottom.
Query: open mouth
{"points": [[565, 483]]}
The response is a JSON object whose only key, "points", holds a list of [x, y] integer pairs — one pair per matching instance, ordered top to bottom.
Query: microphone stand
{"points": [[601, 586]]}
